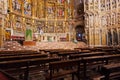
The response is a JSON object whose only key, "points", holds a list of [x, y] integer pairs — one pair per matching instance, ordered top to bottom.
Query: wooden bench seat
{"points": [[18, 51], [18, 54], [65, 55], [74, 56], [17, 57], [104, 60], [24, 65], [60, 69], [111, 71]]}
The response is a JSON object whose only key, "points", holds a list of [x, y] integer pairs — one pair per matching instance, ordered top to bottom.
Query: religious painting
{"points": [[17, 6], [27, 8], [40, 10], [51, 10], [60, 12], [18, 24], [50, 25], [40, 27], [60, 27]]}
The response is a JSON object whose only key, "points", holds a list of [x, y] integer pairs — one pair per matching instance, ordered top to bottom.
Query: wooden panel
{"points": [[29, 43]]}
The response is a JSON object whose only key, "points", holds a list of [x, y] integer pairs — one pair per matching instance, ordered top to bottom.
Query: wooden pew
{"points": [[87, 49], [108, 49], [19, 51], [54, 52], [14, 53], [65, 55], [74, 56], [8, 58], [103, 59], [24, 65], [60, 69], [111, 71]]}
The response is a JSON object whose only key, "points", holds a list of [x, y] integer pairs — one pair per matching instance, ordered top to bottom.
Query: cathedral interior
{"points": [[55, 26]]}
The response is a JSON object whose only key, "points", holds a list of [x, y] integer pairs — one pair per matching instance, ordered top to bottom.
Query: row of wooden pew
{"points": [[106, 55], [76, 62]]}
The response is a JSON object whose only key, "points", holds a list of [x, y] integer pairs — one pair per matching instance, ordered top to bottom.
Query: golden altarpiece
{"points": [[40, 20]]}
